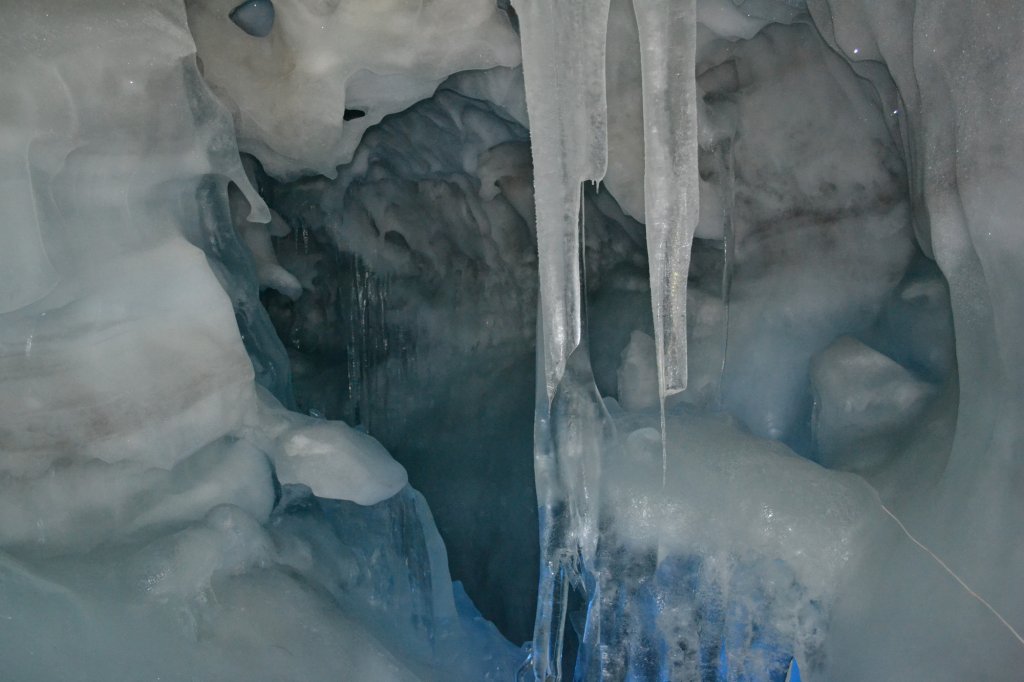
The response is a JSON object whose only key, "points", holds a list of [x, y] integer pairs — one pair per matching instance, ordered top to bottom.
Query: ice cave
{"points": [[512, 340]]}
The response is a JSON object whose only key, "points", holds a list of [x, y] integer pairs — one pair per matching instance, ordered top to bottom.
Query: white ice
{"points": [[843, 464], [151, 514]]}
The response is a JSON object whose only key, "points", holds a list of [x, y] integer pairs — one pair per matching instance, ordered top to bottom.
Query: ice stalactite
{"points": [[668, 40], [564, 49], [564, 66], [726, 169]]}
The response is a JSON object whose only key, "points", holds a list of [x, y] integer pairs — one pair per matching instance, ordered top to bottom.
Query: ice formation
{"points": [[303, 95], [314, 313], [159, 517], [689, 592]]}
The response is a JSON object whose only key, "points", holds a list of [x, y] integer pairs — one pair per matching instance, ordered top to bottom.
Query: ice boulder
{"points": [[859, 394]]}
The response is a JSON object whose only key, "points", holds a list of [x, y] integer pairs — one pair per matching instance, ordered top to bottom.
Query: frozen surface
{"points": [[668, 49], [295, 93], [822, 175], [859, 394], [843, 464], [144, 525], [741, 550], [316, 588]]}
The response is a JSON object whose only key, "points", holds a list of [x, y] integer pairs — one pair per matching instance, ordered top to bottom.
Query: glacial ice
{"points": [[667, 33], [289, 91], [569, 146], [278, 275], [777, 315], [150, 525]]}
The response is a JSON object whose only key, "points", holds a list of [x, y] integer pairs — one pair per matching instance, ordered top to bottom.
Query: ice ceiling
{"points": [[461, 340]]}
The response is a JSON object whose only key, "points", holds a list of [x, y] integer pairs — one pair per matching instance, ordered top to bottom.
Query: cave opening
{"points": [[412, 313]]}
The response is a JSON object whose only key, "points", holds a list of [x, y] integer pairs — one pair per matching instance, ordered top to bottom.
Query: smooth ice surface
{"points": [[255, 17], [668, 48], [569, 145], [858, 394], [338, 461]]}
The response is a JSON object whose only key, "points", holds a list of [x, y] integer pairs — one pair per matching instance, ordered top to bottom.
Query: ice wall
{"points": [[955, 88], [303, 95], [99, 192], [418, 313], [416, 321], [152, 517]]}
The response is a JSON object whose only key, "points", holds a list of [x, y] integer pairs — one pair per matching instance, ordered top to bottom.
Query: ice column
{"points": [[564, 61], [564, 67]]}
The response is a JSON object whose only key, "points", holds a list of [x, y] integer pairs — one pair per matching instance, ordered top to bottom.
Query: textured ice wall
{"points": [[303, 95], [99, 190], [418, 312], [416, 321], [132, 357], [144, 526]]}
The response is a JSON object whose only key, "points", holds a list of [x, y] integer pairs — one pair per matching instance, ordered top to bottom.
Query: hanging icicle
{"points": [[668, 40], [564, 46], [564, 69]]}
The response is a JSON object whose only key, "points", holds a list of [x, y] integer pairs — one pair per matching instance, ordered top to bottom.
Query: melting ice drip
{"points": [[564, 64]]}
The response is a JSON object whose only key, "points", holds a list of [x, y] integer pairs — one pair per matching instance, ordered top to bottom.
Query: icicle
{"points": [[668, 43], [667, 55], [564, 67], [727, 176]]}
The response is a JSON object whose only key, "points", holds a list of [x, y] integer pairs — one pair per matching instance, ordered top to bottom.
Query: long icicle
{"points": [[668, 40], [564, 68]]}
